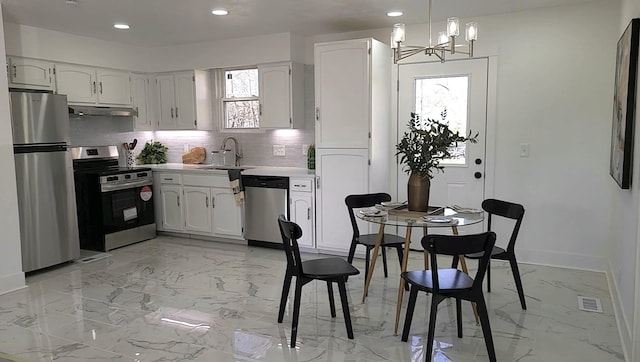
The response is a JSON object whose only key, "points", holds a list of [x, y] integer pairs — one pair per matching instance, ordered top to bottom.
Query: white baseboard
{"points": [[562, 260], [13, 282], [624, 327]]}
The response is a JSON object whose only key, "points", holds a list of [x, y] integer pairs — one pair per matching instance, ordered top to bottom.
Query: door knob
{"points": [[478, 161], [477, 175]]}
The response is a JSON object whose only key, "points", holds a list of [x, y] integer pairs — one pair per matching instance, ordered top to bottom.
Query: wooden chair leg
{"points": [[400, 254], [384, 261], [366, 265], [516, 276], [285, 293], [413, 295], [332, 304], [345, 308], [296, 311], [459, 316], [432, 327], [486, 328]]}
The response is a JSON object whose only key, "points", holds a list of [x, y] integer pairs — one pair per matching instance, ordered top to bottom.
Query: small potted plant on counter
{"points": [[153, 152]]}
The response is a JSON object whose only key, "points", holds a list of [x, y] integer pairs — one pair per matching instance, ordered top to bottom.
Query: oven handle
{"points": [[125, 185]]}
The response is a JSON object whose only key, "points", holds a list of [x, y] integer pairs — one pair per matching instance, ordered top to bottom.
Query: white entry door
{"points": [[454, 92]]}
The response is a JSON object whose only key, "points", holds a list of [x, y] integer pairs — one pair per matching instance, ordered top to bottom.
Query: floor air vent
{"points": [[94, 257], [589, 304]]}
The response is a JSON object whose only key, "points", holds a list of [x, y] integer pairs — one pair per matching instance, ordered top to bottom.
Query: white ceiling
{"points": [[169, 22]]}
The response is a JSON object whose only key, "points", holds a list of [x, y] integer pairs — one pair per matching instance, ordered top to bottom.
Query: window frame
{"points": [[228, 100]]}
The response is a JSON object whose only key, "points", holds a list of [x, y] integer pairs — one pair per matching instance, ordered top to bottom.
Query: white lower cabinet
{"points": [[199, 204], [170, 208], [302, 209], [198, 215], [227, 215]]}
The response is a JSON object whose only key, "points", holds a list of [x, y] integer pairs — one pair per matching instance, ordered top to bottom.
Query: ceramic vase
{"points": [[418, 192]]}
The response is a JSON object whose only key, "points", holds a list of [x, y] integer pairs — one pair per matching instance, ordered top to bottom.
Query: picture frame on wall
{"points": [[624, 100]]}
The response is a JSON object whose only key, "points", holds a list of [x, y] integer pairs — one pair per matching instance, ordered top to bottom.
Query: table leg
{"points": [[376, 248], [405, 259], [463, 265]]}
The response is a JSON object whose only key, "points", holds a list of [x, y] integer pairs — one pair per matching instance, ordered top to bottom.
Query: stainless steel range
{"points": [[115, 204]]}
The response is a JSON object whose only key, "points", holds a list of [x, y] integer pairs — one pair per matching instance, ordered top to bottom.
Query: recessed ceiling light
{"points": [[72, 2], [219, 12], [394, 13], [121, 26]]}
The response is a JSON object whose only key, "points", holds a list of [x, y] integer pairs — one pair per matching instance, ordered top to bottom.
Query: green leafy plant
{"points": [[427, 143], [153, 152]]}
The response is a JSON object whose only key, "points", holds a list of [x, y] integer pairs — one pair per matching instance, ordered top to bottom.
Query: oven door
{"points": [[127, 206]]}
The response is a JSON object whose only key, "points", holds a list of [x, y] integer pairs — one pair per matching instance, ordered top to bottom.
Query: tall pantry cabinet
{"points": [[352, 132]]}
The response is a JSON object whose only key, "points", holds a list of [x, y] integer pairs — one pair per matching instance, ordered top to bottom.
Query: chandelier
{"points": [[446, 41]]}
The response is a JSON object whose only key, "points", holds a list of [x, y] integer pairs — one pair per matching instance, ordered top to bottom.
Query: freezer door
{"points": [[39, 118], [47, 208]]}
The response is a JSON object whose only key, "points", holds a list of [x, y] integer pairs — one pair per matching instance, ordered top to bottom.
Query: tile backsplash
{"points": [[257, 147]]}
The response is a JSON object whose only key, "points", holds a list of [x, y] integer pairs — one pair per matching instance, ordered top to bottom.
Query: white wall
{"points": [[27, 41], [624, 257], [11, 275]]}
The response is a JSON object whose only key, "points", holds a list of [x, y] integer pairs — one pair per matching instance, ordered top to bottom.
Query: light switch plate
{"points": [[279, 150], [524, 150]]}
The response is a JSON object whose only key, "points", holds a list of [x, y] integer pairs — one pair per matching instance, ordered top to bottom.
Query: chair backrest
{"points": [[360, 201], [507, 210], [291, 232], [459, 245]]}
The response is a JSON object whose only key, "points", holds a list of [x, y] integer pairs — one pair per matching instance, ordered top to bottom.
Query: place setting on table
{"points": [[394, 213]]}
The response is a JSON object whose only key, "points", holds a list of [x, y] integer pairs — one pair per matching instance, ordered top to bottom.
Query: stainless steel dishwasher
{"points": [[266, 198]]}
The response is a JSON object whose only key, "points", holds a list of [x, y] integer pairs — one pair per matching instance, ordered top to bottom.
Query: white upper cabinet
{"points": [[30, 73], [91, 86], [113, 87], [343, 94], [281, 95], [140, 97], [184, 100]]}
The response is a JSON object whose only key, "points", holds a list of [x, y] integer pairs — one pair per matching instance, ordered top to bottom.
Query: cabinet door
{"points": [[29, 73], [77, 82], [113, 87], [342, 94], [275, 96], [140, 98], [166, 100], [185, 108], [341, 172], [197, 209], [302, 213], [227, 214], [172, 215]]}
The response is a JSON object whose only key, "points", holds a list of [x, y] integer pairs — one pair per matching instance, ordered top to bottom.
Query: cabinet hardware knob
{"points": [[15, 71], [94, 87], [100, 87], [171, 112], [176, 112], [477, 175], [178, 200], [207, 200], [308, 213]]}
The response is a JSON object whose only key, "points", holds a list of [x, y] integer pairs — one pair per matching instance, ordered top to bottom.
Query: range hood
{"points": [[101, 111]]}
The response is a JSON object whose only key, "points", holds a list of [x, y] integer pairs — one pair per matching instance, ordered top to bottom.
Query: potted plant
{"points": [[421, 149], [153, 152]]}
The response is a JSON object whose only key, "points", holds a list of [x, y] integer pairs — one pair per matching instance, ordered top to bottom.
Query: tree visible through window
{"points": [[240, 103]]}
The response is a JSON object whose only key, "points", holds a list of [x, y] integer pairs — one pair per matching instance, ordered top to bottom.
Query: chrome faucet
{"points": [[236, 148]]}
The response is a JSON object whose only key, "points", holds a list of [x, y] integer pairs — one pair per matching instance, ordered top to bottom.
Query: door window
{"points": [[445, 99]]}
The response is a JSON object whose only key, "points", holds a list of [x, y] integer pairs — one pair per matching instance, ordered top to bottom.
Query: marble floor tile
{"points": [[175, 299]]}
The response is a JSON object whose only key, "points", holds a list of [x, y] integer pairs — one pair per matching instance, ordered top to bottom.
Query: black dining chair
{"points": [[511, 211], [369, 240], [331, 270], [451, 283]]}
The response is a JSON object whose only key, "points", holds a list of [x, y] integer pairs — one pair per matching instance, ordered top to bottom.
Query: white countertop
{"points": [[249, 170]]}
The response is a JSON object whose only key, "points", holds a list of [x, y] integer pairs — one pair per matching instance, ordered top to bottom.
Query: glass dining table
{"points": [[438, 218]]}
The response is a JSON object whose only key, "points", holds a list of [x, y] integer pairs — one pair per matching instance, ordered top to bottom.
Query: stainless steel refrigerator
{"points": [[44, 176]]}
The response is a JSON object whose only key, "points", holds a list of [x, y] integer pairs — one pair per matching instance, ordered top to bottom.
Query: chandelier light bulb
{"points": [[452, 27], [472, 31], [398, 33], [442, 37]]}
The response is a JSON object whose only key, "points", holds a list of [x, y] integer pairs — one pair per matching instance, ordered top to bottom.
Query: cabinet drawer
{"points": [[170, 178], [206, 180], [301, 185]]}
